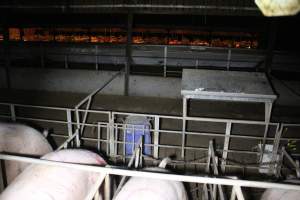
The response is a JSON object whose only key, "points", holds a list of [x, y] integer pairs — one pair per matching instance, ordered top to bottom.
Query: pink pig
{"points": [[21, 139], [44, 182], [149, 189]]}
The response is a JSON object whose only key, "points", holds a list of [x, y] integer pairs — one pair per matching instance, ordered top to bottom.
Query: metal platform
{"points": [[225, 85]]}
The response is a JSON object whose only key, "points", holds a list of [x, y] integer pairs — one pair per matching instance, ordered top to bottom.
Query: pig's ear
{"points": [[46, 133], [164, 162]]}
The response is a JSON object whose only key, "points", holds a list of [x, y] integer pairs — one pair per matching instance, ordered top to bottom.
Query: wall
{"points": [[85, 81]]}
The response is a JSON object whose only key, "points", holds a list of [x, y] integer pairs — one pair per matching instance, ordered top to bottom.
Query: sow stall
{"points": [[197, 164]]}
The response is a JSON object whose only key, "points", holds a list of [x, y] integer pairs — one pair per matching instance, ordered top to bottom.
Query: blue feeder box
{"points": [[137, 126]]}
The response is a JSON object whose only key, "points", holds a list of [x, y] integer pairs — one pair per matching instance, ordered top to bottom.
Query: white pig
{"points": [[21, 139], [44, 182], [148, 189], [278, 194]]}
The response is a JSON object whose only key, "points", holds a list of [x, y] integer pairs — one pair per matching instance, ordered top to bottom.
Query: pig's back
{"points": [[17, 138], [21, 139], [39, 182], [148, 189]]}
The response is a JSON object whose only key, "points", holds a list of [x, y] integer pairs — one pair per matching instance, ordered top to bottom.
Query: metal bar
{"points": [[154, 6], [271, 45], [6, 52], [128, 53], [42, 56], [96, 57], [228, 59], [165, 60], [66, 62], [197, 63], [97, 90], [268, 110], [12, 112], [184, 114], [85, 115], [69, 119], [207, 119], [111, 135], [98, 137], [156, 137], [116, 139], [124, 139], [133, 139], [276, 143], [65, 144], [108, 144], [226, 146], [280, 161], [292, 162], [207, 170], [216, 172], [154, 175], [122, 182], [2, 184], [107, 188], [239, 193], [233, 194], [97, 196]]}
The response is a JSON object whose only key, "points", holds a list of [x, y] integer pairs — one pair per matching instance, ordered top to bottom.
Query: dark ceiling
{"points": [[202, 7]]}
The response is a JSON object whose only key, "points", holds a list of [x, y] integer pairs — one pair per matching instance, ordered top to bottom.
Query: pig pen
{"points": [[212, 147]]}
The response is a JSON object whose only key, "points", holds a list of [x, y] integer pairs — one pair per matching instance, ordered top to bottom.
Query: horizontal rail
{"points": [[155, 175]]}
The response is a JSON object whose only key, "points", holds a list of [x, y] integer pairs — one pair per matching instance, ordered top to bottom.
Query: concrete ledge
{"points": [[85, 81]]}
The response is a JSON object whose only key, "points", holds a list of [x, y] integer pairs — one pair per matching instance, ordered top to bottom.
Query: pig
{"points": [[21, 139], [43, 182], [138, 188], [279, 194]]}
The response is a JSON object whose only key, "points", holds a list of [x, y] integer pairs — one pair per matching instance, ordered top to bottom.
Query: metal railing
{"points": [[167, 59], [114, 130]]}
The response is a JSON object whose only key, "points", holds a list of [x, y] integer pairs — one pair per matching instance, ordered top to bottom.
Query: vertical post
{"points": [[22, 34], [271, 44], [6, 45], [128, 53], [42, 56], [96, 57], [228, 59], [165, 60], [66, 62], [197, 64], [268, 111], [12, 112], [86, 112], [184, 114], [69, 119], [78, 127], [98, 136], [156, 137], [111, 138], [116, 139], [124, 142], [78, 143], [276, 143], [226, 145], [279, 165], [2, 184], [107, 187], [238, 192], [233, 195]]}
